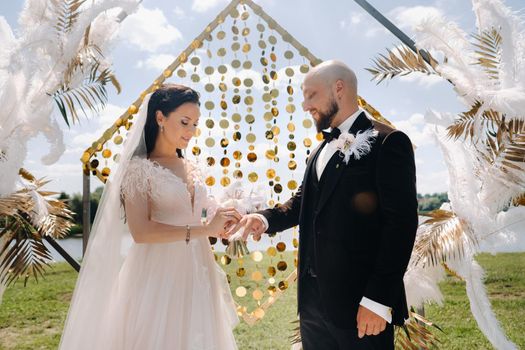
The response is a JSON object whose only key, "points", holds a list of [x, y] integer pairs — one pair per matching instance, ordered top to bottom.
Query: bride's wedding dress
{"points": [[170, 295], [164, 296]]}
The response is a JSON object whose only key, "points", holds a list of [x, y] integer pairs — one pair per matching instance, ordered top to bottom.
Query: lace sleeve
{"points": [[136, 181]]}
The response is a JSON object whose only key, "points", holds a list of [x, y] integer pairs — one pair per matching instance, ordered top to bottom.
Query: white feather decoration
{"points": [[33, 65], [487, 72], [509, 98], [358, 145], [469, 183], [40, 209], [422, 285], [480, 306]]}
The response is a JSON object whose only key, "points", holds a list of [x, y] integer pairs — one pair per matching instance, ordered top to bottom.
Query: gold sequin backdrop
{"points": [[248, 70]]}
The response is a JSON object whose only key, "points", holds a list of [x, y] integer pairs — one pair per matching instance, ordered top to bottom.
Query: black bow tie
{"points": [[332, 135]]}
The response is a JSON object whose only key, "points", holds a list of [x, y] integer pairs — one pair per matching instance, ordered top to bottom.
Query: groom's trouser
{"points": [[318, 333]]}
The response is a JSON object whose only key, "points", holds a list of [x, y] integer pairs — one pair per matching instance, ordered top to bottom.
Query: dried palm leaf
{"points": [[67, 12], [488, 44], [88, 55], [401, 62], [91, 94], [465, 126], [515, 127], [505, 151], [515, 151], [26, 175], [519, 200], [14, 203], [59, 220], [443, 236], [24, 254], [451, 272], [415, 335], [295, 338]]}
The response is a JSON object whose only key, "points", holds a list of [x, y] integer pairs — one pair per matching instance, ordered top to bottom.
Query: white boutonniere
{"points": [[355, 145]]}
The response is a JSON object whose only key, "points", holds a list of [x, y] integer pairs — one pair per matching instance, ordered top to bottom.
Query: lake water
{"points": [[74, 245]]}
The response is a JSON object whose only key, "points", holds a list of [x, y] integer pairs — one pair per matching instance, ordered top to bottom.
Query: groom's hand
{"points": [[223, 220], [252, 224], [369, 323]]}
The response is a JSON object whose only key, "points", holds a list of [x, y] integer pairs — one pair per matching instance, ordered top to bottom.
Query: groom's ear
{"points": [[338, 88]]}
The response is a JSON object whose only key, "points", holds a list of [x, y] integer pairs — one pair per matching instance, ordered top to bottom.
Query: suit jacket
{"points": [[362, 224]]}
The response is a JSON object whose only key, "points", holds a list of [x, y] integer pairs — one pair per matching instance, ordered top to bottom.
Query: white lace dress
{"points": [[171, 295]]}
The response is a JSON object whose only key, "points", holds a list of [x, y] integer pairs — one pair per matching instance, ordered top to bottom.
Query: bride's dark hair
{"points": [[166, 99]]}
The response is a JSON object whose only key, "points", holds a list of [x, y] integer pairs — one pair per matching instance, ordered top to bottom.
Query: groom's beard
{"points": [[326, 118]]}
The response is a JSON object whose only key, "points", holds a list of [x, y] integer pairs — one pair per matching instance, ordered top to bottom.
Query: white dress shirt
{"points": [[329, 149], [324, 157]]}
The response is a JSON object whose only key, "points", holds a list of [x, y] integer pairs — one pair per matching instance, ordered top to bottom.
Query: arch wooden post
{"points": [[86, 210]]}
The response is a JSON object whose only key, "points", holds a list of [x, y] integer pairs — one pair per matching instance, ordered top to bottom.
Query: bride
{"points": [[164, 290]]}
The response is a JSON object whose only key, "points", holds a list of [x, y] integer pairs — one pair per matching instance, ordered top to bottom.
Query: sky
{"points": [[152, 37]]}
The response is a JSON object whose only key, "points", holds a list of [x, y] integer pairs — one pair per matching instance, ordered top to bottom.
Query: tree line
{"points": [[75, 205]]}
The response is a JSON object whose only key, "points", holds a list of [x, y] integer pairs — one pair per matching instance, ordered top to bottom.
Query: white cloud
{"points": [[205, 5], [179, 12], [403, 17], [409, 17], [356, 18], [357, 23], [148, 29], [373, 31], [157, 62], [421, 79], [393, 112], [102, 122], [415, 127], [86, 138], [76, 151], [58, 171], [432, 182]]}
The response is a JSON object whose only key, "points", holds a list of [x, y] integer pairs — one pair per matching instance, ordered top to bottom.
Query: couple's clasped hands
{"points": [[228, 221]]}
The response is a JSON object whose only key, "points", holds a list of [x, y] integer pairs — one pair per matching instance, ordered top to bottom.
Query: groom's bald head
{"points": [[330, 72], [330, 93]]}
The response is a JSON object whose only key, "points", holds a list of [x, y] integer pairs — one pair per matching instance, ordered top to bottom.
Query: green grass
{"points": [[505, 283], [32, 317]]}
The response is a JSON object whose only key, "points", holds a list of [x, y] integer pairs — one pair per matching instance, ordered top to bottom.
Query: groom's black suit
{"points": [[357, 229]]}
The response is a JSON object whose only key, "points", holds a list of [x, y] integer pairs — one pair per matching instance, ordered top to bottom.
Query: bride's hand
{"points": [[224, 219]]}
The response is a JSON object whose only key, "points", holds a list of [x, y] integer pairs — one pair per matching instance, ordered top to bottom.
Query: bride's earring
{"points": [[162, 128]]}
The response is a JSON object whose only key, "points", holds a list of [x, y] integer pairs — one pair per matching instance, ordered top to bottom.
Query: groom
{"points": [[357, 221]]}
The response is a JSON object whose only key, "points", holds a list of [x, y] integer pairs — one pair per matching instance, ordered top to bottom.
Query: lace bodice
{"points": [[170, 197]]}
